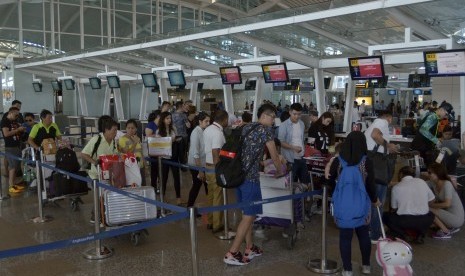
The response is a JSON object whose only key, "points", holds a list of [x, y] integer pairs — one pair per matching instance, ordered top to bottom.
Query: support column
{"points": [[163, 89], [320, 90], [193, 92], [258, 97], [82, 99], [106, 101], [228, 101], [118, 103], [143, 103], [348, 107]]}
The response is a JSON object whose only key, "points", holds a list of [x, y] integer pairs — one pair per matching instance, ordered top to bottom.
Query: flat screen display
{"points": [[445, 63], [365, 68], [276, 72], [231, 75], [176, 78], [149, 79], [418, 80], [113, 82], [327, 82], [95, 83], [69, 84], [56, 85], [250, 85], [37, 86], [279, 86], [306, 86], [392, 92], [417, 92], [428, 92]]}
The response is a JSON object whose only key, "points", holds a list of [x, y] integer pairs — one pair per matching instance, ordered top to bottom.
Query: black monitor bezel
{"points": [[275, 64], [351, 68], [238, 70], [170, 73], [428, 74], [154, 78], [117, 80], [67, 81], [99, 81], [56, 85], [37, 86]]}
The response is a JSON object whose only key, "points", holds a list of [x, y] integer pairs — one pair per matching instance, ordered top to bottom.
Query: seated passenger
{"points": [[409, 203], [447, 208]]}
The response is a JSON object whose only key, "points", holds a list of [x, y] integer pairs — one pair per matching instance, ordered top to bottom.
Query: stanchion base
{"points": [[42, 220], [227, 236], [105, 252], [330, 267]]}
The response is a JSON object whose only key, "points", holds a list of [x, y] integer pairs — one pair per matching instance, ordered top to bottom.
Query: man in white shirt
{"points": [[355, 114], [377, 135], [214, 139], [410, 200]]}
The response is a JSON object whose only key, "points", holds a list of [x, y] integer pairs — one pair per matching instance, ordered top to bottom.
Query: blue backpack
{"points": [[351, 204]]}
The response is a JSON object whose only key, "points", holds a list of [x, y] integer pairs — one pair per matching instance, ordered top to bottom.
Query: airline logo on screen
{"points": [[370, 67], [276, 72], [231, 75]]}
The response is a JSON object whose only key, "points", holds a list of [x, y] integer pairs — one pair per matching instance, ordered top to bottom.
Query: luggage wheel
{"points": [[135, 238]]}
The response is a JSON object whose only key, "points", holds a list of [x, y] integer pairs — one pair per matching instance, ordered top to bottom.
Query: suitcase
{"points": [[120, 209]]}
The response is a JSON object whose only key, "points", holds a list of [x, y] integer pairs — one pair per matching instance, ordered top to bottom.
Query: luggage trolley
{"points": [[316, 168], [54, 188], [118, 210], [286, 214]]}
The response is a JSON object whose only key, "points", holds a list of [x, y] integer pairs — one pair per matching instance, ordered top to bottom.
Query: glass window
{"points": [[11, 20], [92, 21], [69, 22], [123, 24], [143, 25]]}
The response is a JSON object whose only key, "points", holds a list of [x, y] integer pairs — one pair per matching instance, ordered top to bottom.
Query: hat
{"points": [[447, 107]]}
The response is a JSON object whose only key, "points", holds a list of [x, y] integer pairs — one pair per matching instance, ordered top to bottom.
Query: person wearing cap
{"points": [[426, 139]]}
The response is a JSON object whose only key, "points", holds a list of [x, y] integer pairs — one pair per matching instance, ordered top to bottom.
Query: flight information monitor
{"points": [[445, 63], [365, 68], [276, 72], [231, 75], [176, 78]]}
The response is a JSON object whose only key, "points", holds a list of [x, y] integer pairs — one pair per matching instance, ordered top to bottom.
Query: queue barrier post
{"points": [[40, 189], [162, 191], [227, 235], [194, 244], [100, 251], [323, 265]]}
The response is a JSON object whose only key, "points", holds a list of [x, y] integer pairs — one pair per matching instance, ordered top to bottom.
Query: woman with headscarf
{"points": [[353, 150]]}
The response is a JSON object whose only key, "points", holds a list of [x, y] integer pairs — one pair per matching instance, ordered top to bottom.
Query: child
{"points": [[131, 143]]}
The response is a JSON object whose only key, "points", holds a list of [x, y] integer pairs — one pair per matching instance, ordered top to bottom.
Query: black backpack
{"points": [[66, 160], [229, 173]]}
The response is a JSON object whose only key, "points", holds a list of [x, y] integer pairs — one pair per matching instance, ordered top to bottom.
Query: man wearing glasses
{"points": [[291, 135], [426, 139]]}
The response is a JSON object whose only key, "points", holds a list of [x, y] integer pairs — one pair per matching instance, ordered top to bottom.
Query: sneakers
{"points": [[15, 189], [454, 230], [440, 235], [253, 252], [235, 258], [366, 269], [347, 273]]}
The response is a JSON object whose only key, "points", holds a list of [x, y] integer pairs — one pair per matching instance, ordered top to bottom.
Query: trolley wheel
{"points": [[74, 205], [292, 236], [135, 238]]}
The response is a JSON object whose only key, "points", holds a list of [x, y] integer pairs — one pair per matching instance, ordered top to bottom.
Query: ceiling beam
{"points": [[352, 9], [418, 27], [216, 50], [278, 50], [183, 60], [117, 65], [39, 73]]}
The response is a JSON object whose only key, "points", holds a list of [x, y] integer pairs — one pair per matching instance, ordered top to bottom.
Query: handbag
{"points": [[383, 164]]}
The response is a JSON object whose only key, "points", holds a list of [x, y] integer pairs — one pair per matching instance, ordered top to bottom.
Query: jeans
{"points": [[375, 225], [345, 245]]}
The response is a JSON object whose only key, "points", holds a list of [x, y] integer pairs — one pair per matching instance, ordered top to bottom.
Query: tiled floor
{"points": [[167, 250]]}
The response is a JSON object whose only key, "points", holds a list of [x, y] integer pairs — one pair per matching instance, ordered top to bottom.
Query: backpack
{"points": [[66, 160], [228, 170], [351, 204]]}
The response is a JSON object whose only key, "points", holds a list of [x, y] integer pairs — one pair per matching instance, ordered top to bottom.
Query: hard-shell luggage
{"points": [[120, 209]]}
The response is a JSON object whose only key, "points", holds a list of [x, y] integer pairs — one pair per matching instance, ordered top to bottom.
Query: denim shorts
{"points": [[300, 171], [250, 191]]}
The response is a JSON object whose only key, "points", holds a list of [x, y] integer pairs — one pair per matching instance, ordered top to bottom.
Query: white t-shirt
{"points": [[383, 126], [214, 139], [297, 140], [411, 196]]}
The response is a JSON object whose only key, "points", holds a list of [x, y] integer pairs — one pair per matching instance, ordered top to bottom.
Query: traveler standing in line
{"points": [[166, 107], [355, 113], [20, 120], [181, 124], [166, 129], [43, 130], [12, 131], [150, 131], [322, 132], [291, 135], [378, 135], [213, 140], [131, 143], [254, 143], [353, 150], [197, 156]]}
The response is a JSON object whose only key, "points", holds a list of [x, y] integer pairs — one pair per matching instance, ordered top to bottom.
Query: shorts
{"points": [[12, 162], [300, 171], [250, 191]]}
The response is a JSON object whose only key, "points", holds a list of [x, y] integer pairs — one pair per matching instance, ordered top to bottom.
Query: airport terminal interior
{"points": [[82, 59]]}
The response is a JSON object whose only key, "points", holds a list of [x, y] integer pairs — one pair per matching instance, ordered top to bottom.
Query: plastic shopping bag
{"points": [[132, 171]]}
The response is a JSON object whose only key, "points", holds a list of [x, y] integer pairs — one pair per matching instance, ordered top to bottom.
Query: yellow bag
{"points": [[49, 146]]}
